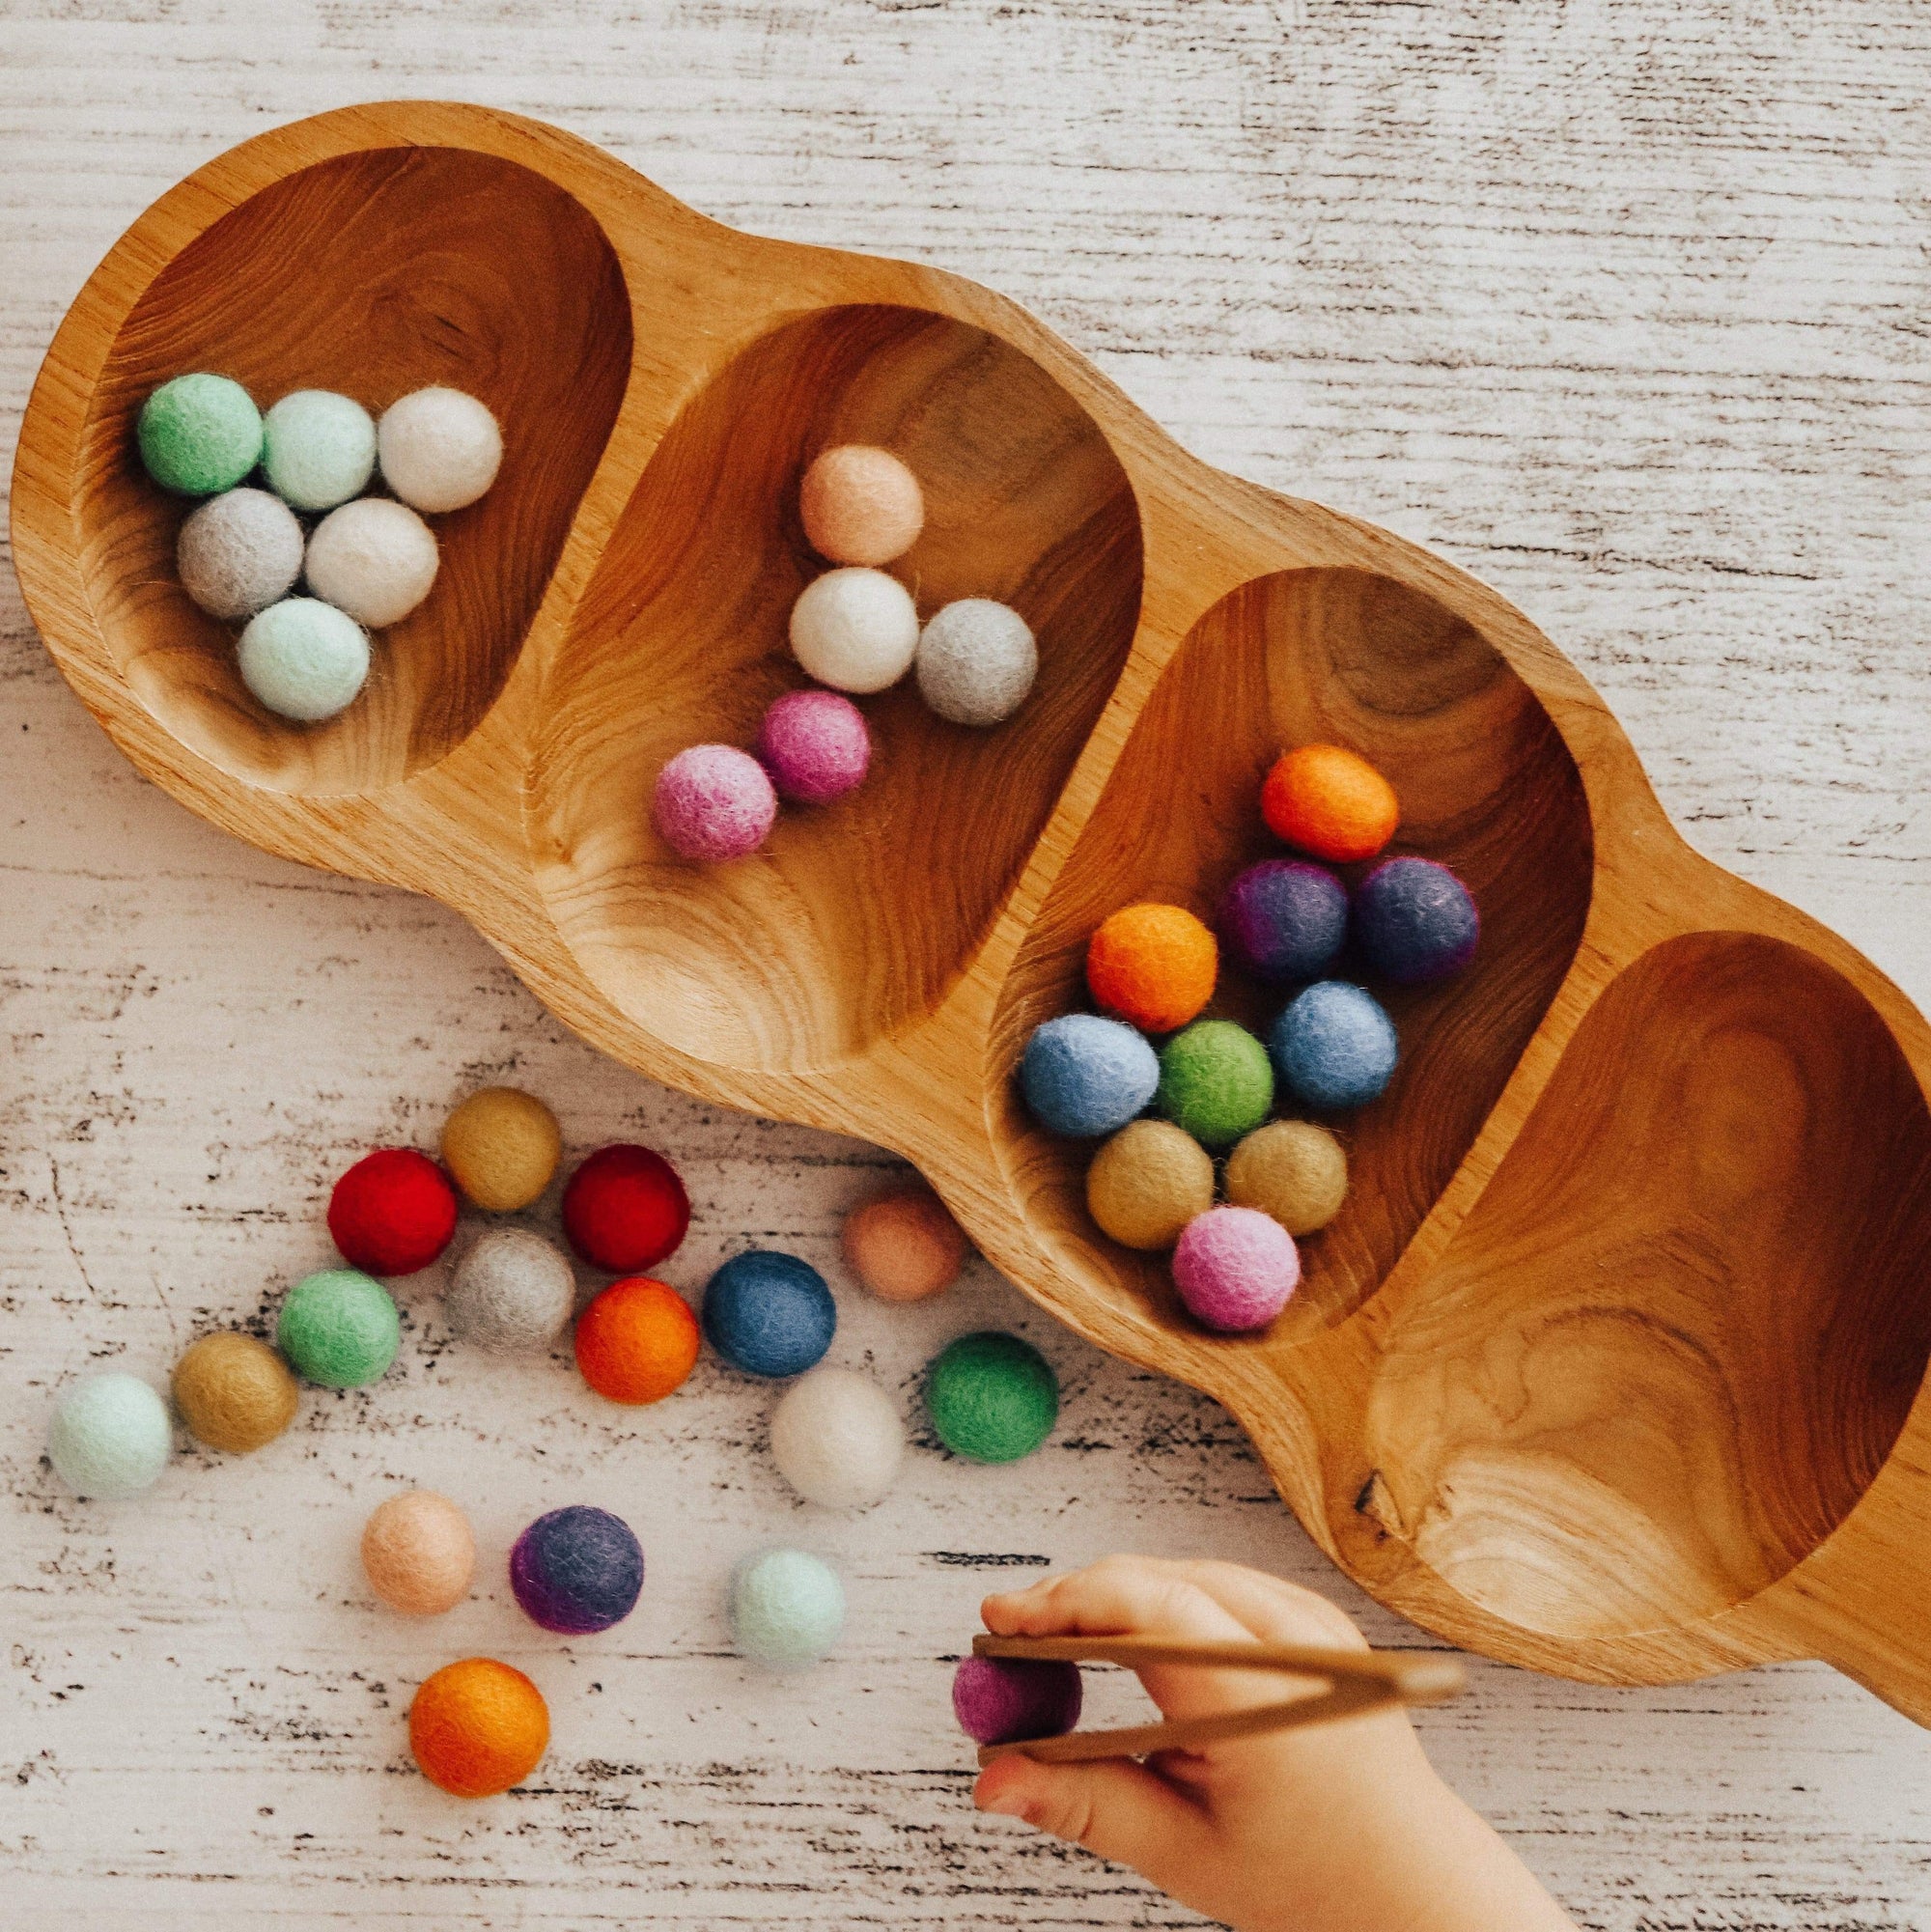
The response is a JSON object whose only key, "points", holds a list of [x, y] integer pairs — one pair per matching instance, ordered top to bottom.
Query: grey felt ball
{"points": [[238, 552], [976, 661], [512, 1294]]}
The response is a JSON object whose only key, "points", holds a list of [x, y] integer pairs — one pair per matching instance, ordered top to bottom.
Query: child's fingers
{"points": [[1274, 1610], [1114, 1807]]}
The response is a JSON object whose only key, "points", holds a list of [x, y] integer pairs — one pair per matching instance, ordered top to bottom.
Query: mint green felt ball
{"points": [[199, 434], [317, 449], [303, 659], [1215, 1081], [339, 1328], [991, 1397], [110, 1437], [787, 1609]]}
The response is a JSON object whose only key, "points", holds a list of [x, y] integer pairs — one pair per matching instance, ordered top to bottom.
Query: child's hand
{"points": [[1338, 1828]]}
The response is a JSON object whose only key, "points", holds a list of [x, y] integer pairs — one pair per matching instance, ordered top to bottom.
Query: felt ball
{"points": [[199, 434], [438, 448], [317, 449], [860, 505], [238, 554], [374, 558], [854, 629], [303, 659], [976, 661], [815, 745], [713, 802], [1330, 802], [1284, 920], [1415, 921], [1154, 965], [1335, 1045], [1083, 1077], [1215, 1081], [501, 1146], [1292, 1170], [1147, 1183], [625, 1208], [393, 1212], [903, 1246], [1235, 1268], [512, 1293], [769, 1313], [339, 1328], [636, 1341], [234, 1393], [991, 1397], [110, 1437], [837, 1438], [419, 1553], [578, 1570], [787, 1609], [1007, 1699], [477, 1727]]}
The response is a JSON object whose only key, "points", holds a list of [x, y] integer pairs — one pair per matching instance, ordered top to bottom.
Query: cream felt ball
{"points": [[317, 449], [439, 449], [860, 505], [238, 552], [374, 558], [854, 629], [303, 659], [976, 661], [512, 1294], [110, 1437], [837, 1438], [419, 1553], [787, 1609]]}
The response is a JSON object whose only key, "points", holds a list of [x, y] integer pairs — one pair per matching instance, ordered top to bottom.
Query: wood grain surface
{"points": [[1621, 307]]}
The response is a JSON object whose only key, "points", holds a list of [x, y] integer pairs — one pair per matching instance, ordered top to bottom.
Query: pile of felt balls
{"points": [[366, 563], [854, 629], [1211, 1084]]}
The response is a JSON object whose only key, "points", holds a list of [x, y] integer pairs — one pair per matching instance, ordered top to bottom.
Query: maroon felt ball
{"points": [[815, 745], [625, 1208], [393, 1212], [1005, 1700]]}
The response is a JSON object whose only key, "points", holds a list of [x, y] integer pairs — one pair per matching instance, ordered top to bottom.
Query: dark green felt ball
{"points": [[1215, 1081], [339, 1328], [992, 1398]]}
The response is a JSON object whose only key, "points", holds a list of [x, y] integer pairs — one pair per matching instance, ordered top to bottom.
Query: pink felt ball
{"points": [[815, 745], [713, 802], [1235, 1267]]}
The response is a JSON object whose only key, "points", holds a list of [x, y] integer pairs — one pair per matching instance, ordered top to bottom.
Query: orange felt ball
{"points": [[1330, 802], [1153, 966], [636, 1341], [478, 1727]]}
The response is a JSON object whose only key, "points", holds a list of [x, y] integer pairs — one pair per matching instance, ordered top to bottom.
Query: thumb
{"points": [[1114, 1807]]}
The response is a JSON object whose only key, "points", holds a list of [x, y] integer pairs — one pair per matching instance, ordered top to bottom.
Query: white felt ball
{"points": [[438, 448], [317, 449], [238, 552], [374, 558], [854, 629], [303, 659], [976, 661], [512, 1294], [110, 1437], [837, 1438], [787, 1607]]}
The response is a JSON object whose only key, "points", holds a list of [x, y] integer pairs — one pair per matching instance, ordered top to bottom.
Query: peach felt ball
{"points": [[860, 505], [713, 802], [1330, 802], [1154, 965], [501, 1146], [903, 1246], [636, 1341], [419, 1553], [478, 1727]]}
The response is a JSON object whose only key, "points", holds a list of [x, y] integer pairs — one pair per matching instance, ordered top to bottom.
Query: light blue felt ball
{"points": [[317, 449], [303, 659], [1335, 1045], [1085, 1076], [110, 1437], [787, 1609]]}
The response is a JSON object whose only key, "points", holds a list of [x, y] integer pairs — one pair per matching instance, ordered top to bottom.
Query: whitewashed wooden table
{"points": [[1620, 304]]}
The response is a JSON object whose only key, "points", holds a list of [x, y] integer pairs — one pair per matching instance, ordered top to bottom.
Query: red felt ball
{"points": [[625, 1208], [393, 1212]]}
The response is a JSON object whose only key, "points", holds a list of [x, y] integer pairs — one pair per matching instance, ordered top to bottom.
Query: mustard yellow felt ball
{"points": [[501, 1146], [1292, 1170], [1148, 1182], [235, 1392]]}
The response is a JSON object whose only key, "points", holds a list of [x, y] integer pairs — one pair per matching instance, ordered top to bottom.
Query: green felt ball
{"points": [[199, 434], [317, 449], [1215, 1081], [339, 1328], [991, 1397]]}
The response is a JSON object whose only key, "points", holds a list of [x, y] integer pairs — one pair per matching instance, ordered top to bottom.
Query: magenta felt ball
{"points": [[815, 745], [715, 802], [1235, 1267], [1003, 1699]]}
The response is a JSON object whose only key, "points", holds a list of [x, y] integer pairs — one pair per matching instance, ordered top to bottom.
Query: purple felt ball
{"points": [[815, 745], [713, 802], [1284, 919], [1415, 921], [1235, 1267], [578, 1570], [1004, 1699]]}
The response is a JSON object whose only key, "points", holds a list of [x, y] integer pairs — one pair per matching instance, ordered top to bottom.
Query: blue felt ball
{"points": [[1284, 919], [1415, 921], [1333, 1047], [1085, 1076], [769, 1313]]}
